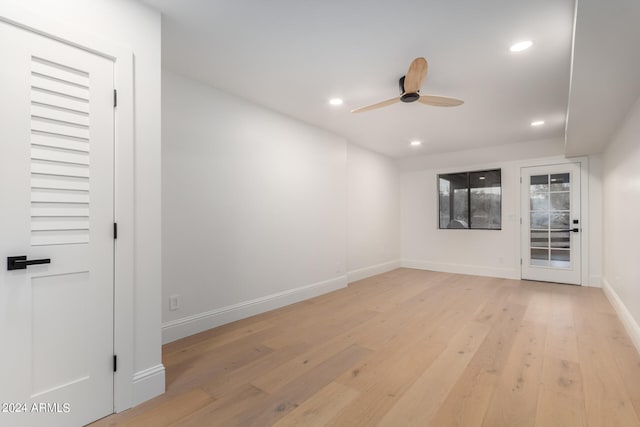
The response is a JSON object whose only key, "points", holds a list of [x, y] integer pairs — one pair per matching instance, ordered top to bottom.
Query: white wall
{"points": [[136, 27], [500, 153], [621, 183], [254, 208], [595, 243], [373, 244], [482, 252]]}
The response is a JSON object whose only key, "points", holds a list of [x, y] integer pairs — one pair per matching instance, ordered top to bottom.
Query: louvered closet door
{"points": [[56, 202]]}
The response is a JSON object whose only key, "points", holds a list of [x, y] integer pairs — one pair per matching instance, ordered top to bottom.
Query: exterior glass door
{"points": [[551, 223]]}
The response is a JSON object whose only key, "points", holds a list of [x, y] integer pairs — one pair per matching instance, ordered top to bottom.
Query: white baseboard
{"points": [[476, 270], [363, 273], [630, 324], [190, 325], [148, 384]]}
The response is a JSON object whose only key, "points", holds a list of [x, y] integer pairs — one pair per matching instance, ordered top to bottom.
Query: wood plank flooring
{"points": [[408, 348]]}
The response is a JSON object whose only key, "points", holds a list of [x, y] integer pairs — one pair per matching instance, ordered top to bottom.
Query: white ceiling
{"points": [[294, 55], [605, 80]]}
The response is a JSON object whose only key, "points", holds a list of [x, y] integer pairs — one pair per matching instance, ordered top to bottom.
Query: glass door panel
{"points": [[550, 201], [549, 222]]}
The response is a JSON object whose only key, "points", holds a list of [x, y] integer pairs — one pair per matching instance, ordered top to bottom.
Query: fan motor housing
{"points": [[407, 97]]}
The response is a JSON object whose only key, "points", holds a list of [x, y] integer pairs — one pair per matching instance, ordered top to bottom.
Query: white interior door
{"points": [[56, 202], [551, 226]]}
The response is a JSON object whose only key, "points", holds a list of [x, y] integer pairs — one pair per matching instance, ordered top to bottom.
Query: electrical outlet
{"points": [[174, 302]]}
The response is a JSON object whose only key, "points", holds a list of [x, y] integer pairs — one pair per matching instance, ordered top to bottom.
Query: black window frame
{"points": [[468, 188]]}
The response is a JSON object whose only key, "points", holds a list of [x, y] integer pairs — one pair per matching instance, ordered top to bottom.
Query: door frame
{"points": [[122, 57], [584, 210]]}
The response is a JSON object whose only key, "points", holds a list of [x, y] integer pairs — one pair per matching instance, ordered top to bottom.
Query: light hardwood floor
{"points": [[408, 348]]}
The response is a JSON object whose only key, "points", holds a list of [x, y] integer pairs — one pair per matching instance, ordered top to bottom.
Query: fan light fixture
{"points": [[520, 46], [410, 85], [336, 101]]}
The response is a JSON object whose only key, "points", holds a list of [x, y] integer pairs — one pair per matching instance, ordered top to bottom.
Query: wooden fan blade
{"points": [[416, 75], [440, 101], [378, 105]]}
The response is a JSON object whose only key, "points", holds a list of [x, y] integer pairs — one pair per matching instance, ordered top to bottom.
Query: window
{"points": [[471, 200]]}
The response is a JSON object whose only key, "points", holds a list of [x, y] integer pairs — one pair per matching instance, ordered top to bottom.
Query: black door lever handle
{"points": [[21, 262]]}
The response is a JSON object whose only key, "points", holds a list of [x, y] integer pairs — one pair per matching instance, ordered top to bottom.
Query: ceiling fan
{"points": [[410, 90]]}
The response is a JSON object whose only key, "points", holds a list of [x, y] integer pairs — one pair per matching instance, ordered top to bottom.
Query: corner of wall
{"points": [[455, 268], [363, 273], [594, 282], [630, 324], [180, 328], [148, 384]]}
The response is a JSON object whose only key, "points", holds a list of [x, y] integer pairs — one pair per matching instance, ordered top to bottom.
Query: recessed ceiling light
{"points": [[520, 46], [336, 101], [537, 123], [415, 143], [482, 177]]}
